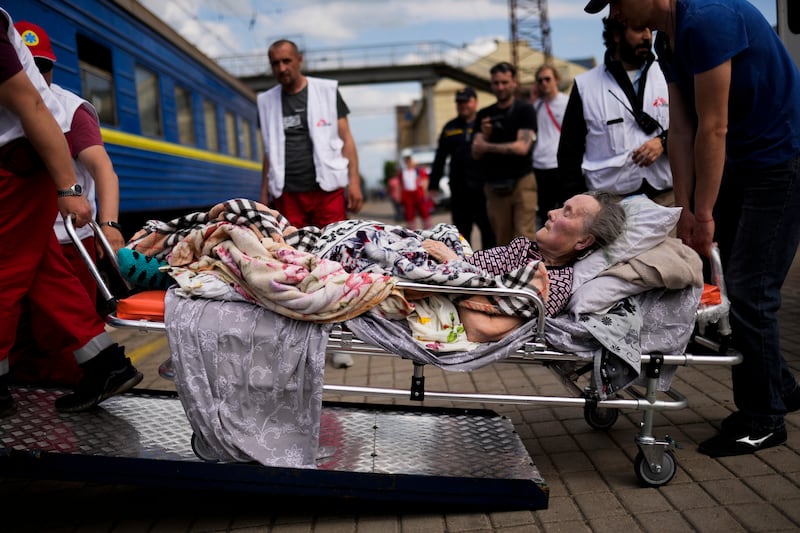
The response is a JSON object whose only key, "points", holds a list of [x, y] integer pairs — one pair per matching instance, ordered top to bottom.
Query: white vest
{"points": [[71, 102], [10, 126], [323, 128], [545, 152], [607, 163]]}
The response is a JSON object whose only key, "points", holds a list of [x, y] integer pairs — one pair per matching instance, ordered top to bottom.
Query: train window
{"points": [[793, 16], [97, 80], [97, 88], [149, 102], [183, 108], [210, 119], [230, 130], [247, 140], [259, 145]]}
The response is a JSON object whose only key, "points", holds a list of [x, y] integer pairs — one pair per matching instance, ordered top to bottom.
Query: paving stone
{"points": [[730, 491], [599, 504], [560, 509], [761, 517], [713, 520]]}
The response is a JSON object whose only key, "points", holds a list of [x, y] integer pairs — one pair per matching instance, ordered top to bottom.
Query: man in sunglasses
{"points": [[550, 105], [614, 133]]}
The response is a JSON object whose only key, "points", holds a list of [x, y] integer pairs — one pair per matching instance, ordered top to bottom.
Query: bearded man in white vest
{"points": [[614, 133]]}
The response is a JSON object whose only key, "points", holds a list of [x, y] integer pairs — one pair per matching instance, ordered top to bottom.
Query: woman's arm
{"points": [[439, 250], [480, 324]]}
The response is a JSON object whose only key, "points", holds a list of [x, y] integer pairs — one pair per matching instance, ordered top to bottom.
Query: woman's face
{"points": [[564, 234]]}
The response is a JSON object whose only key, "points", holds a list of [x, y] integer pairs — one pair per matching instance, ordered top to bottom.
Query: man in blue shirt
{"points": [[734, 149]]}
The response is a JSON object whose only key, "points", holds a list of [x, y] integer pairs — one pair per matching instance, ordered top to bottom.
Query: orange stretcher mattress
{"points": [[711, 295], [146, 305]]}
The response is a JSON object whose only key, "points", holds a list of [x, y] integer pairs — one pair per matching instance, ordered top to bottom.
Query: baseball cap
{"points": [[595, 6], [36, 39], [465, 94]]}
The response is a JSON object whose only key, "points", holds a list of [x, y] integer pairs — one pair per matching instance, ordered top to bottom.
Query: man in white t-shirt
{"points": [[550, 105]]}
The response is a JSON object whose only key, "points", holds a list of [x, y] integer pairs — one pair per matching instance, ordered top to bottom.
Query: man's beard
{"points": [[633, 56], [504, 96]]}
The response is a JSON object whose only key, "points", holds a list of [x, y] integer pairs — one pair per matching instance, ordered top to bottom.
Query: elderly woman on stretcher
{"points": [[585, 222], [244, 250]]}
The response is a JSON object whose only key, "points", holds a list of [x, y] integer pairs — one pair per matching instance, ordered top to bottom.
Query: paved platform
{"points": [[589, 473]]}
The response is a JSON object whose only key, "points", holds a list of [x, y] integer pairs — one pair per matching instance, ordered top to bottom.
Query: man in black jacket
{"points": [[467, 200]]}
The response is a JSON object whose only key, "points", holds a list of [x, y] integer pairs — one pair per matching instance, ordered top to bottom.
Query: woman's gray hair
{"points": [[609, 222]]}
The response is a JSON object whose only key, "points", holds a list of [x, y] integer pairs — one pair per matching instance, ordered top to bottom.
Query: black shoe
{"points": [[94, 388], [736, 422], [728, 443]]}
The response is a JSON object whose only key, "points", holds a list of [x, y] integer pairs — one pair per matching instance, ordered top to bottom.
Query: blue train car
{"points": [[181, 131]]}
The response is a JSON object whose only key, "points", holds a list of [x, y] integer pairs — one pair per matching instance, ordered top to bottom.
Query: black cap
{"points": [[595, 6], [465, 94]]}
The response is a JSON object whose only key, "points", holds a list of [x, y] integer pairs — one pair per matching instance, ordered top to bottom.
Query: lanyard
{"points": [[550, 113]]}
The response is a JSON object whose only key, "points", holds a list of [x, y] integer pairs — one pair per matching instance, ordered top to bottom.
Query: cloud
{"points": [[334, 22], [239, 26]]}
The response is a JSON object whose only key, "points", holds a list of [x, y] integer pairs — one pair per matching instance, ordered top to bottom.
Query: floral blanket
{"points": [[242, 244]]}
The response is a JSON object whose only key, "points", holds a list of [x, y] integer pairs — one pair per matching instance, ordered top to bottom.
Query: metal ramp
{"points": [[431, 456]]}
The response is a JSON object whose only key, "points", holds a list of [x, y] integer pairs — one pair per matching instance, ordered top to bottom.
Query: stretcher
{"points": [[507, 477]]}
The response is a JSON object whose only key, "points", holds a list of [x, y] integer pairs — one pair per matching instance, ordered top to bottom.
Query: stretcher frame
{"points": [[655, 463]]}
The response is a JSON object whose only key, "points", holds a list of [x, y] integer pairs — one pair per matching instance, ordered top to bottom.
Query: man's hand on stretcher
{"points": [[77, 206], [695, 232]]}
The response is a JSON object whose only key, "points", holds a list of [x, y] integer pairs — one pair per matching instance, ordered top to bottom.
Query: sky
{"points": [[225, 28]]}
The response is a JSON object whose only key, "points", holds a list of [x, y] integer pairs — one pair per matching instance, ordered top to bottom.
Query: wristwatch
{"points": [[663, 137], [75, 190], [111, 224]]}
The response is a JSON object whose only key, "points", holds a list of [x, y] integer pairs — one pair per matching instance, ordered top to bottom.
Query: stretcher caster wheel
{"points": [[600, 418], [200, 449], [651, 478]]}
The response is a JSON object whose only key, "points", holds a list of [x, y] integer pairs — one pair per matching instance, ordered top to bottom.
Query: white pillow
{"points": [[646, 225]]}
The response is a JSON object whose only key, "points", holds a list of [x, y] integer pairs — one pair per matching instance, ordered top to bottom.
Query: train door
{"points": [[789, 26]]}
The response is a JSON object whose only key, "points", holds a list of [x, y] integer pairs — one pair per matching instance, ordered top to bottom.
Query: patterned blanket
{"points": [[242, 245], [369, 246], [315, 274]]}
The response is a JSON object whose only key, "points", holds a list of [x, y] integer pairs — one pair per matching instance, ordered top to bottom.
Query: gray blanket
{"points": [[250, 380]]}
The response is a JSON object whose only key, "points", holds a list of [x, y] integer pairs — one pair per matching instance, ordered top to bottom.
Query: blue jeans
{"points": [[757, 219]]}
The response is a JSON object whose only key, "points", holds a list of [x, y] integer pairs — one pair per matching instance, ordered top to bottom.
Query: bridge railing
{"points": [[382, 55]]}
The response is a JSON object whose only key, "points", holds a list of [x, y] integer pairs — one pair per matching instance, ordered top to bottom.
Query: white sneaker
{"points": [[341, 360]]}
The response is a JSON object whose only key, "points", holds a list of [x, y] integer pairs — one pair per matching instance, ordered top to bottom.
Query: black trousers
{"points": [[468, 208]]}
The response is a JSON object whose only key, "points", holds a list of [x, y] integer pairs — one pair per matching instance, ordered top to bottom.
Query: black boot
{"points": [[107, 374], [7, 407]]}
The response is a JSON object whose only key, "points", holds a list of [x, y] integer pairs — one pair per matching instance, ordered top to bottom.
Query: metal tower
{"points": [[529, 23]]}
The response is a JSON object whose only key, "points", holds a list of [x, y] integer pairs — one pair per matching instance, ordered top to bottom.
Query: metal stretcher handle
{"points": [[69, 225], [717, 277], [528, 294]]}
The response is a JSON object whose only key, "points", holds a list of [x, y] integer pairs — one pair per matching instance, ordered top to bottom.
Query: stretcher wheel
{"points": [[600, 418], [200, 449], [649, 478]]}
